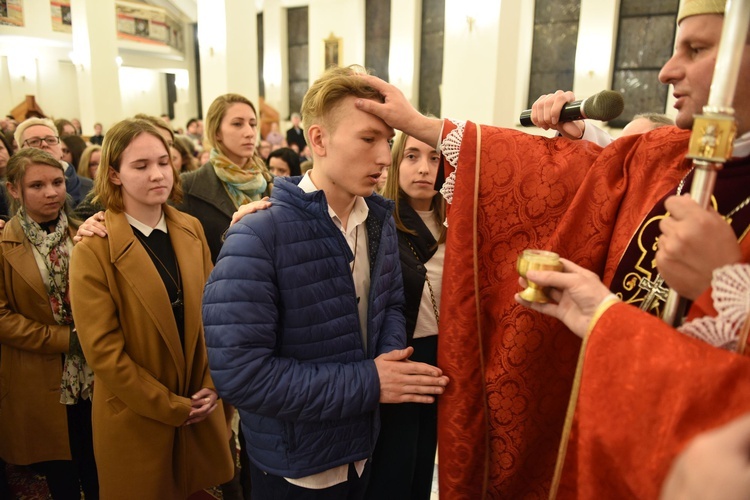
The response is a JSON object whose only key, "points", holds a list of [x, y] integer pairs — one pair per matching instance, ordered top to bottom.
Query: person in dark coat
{"points": [[295, 134], [235, 173], [313, 292], [404, 457]]}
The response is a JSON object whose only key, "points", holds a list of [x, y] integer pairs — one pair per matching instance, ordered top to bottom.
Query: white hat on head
{"points": [[698, 7]]}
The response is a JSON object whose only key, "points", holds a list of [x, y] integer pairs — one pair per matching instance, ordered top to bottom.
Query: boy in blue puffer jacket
{"points": [[302, 314]]}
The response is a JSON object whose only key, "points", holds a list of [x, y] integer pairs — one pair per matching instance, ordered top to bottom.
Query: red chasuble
{"points": [[512, 369], [637, 410], [634, 411]]}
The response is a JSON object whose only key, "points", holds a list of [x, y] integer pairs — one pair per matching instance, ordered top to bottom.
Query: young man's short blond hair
{"points": [[320, 101], [30, 122], [118, 138]]}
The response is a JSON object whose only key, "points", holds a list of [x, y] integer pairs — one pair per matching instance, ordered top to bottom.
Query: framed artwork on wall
{"points": [[11, 12], [62, 19], [148, 24], [333, 50]]}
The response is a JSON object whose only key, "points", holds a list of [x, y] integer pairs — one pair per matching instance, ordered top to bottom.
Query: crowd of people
{"points": [[148, 294]]}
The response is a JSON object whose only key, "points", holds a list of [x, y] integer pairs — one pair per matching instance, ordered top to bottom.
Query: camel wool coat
{"points": [[143, 376], [33, 422]]}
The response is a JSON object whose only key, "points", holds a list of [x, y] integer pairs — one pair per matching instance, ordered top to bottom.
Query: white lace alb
{"points": [[450, 148], [731, 296]]}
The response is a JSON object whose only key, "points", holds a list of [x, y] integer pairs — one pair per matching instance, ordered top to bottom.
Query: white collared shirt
{"points": [[145, 228], [356, 236]]}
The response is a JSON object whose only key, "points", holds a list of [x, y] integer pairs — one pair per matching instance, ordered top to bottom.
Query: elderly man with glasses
{"points": [[41, 133]]}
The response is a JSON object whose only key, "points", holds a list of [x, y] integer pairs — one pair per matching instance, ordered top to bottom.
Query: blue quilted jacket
{"points": [[283, 334]]}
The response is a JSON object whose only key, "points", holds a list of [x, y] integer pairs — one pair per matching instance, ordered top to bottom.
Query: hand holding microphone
{"points": [[560, 111]]}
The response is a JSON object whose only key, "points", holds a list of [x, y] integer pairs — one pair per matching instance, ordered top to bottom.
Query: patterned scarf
{"points": [[242, 185], [77, 378]]}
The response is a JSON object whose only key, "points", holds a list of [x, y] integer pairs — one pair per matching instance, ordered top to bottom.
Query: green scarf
{"points": [[242, 185], [77, 378]]}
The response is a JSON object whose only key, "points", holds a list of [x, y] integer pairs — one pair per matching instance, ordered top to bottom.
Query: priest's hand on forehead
{"points": [[398, 112]]}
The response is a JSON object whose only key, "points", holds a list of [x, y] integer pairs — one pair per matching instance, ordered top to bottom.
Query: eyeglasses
{"points": [[36, 142]]}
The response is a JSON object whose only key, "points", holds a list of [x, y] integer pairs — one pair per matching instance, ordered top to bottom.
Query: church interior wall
{"points": [[325, 19], [485, 66]]}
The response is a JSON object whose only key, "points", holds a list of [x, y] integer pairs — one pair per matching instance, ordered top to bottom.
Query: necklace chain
{"points": [[682, 182], [739, 207], [728, 216], [178, 282], [429, 286]]}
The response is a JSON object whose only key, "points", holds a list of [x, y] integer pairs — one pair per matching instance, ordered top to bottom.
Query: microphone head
{"points": [[606, 105]]}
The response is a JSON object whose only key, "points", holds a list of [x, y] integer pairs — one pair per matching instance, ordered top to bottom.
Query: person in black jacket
{"points": [[295, 134], [235, 173], [324, 318], [404, 458]]}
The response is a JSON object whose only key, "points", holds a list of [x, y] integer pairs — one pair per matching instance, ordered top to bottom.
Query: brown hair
{"points": [[321, 98], [215, 114], [158, 123], [212, 125], [60, 126], [118, 138], [76, 145], [186, 148], [83, 165], [17, 166], [394, 192]]}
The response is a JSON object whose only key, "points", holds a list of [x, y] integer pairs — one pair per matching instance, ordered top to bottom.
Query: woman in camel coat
{"points": [[32, 345], [45, 386], [158, 431]]}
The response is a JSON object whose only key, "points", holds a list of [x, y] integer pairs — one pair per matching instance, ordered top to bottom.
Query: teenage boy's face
{"points": [[355, 151]]}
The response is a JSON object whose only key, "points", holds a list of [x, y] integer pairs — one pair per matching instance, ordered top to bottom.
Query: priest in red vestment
{"points": [[512, 369], [643, 389]]}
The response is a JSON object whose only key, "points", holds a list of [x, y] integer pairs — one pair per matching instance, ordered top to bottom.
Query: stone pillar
{"points": [[227, 34], [595, 49], [487, 54], [275, 56], [95, 60], [403, 62]]}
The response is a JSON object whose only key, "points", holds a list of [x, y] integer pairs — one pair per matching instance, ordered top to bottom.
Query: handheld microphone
{"points": [[606, 105]]}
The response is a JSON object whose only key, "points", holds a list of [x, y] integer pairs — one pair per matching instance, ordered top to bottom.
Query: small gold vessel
{"points": [[536, 260]]}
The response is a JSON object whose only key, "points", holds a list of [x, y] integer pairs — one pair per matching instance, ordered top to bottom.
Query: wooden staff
{"points": [[715, 129]]}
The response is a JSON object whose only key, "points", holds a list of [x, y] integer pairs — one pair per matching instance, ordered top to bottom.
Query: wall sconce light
{"points": [[477, 12], [76, 60], [23, 65], [181, 80]]}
